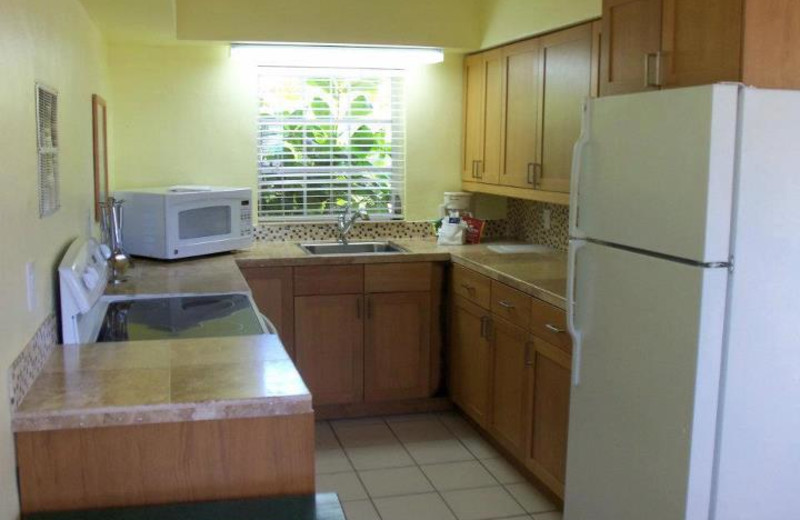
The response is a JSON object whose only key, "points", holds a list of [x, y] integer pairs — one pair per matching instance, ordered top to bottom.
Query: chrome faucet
{"points": [[346, 219]]}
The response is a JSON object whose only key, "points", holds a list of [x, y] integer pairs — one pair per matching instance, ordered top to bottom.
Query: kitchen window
{"points": [[328, 138]]}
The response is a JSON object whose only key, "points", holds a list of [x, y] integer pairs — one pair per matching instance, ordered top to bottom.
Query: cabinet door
{"points": [[701, 41], [630, 43], [566, 72], [474, 97], [483, 103], [521, 128], [272, 289], [329, 344], [397, 347], [512, 350], [471, 360], [548, 414]]}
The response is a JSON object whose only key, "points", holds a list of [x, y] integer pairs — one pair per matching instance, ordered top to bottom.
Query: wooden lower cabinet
{"points": [[273, 292], [329, 344], [512, 345], [397, 356], [471, 360], [512, 376], [547, 413], [138, 465]]}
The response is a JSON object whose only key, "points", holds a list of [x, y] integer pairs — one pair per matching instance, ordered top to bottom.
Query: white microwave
{"points": [[184, 221]]}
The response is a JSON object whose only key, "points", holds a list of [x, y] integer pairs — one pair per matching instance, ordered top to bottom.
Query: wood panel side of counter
{"points": [[165, 463]]}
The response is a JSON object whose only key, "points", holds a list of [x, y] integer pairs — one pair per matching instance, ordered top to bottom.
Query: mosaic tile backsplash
{"points": [[524, 222], [298, 232], [31, 360]]}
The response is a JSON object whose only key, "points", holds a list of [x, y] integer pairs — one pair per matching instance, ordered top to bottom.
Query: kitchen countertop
{"points": [[541, 275], [141, 382]]}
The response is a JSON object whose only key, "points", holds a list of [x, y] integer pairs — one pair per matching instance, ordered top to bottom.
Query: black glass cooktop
{"points": [[180, 317]]}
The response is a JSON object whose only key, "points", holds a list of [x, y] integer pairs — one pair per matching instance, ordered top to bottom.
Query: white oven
{"points": [[184, 221]]}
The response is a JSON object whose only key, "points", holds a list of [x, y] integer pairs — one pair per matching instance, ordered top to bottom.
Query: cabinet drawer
{"points": [[403, 277], [328, 279], [472, 286], [511, 304], [550, 324]]}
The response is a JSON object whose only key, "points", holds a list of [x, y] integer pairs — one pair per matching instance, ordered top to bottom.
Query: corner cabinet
{"points": [[653, 44], [522, 113]]}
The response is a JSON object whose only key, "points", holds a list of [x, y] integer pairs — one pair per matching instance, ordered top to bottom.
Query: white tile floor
{"points": [[422, 467]]}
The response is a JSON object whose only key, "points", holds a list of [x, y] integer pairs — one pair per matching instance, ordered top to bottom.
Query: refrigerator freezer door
{"points": [[656, 171], [643, 417], [759, 449]]}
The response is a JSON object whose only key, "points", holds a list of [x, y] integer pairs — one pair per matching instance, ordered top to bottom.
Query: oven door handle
{"points": [[271, 329]]}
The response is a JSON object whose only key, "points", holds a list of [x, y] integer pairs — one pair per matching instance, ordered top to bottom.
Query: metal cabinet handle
{"points": [[648, 58], [478, 169], [529, 174], [537, 174], [470, 289], [505, 304], [486, 327], [553, 328], [529, 354]]}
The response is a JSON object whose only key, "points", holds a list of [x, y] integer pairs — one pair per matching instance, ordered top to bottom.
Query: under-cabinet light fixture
{"points": [[336, 56]]}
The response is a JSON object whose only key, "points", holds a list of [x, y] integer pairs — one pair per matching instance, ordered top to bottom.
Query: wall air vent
{"points": [[47, 145]]}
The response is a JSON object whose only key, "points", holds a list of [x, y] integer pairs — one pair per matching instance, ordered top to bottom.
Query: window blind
{"points": [[327, 138]]}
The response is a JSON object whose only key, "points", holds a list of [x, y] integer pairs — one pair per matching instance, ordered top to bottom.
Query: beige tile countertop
{"points": [[542, 275], [141, 382]]}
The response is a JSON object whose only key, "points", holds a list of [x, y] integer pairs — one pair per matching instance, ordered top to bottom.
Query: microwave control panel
{"points": [[246, 223]]}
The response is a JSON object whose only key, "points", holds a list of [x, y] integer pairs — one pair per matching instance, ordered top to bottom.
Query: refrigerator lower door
{"points": [[654, 171], [643, 415]]}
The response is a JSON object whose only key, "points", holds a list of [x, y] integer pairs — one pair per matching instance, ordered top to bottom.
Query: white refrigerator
{"points": [[684, 306]]}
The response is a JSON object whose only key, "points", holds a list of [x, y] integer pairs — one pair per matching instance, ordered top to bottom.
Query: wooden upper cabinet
{"points": [[701, 41], [772, 44], [630, 45], [483, 78], [566, 81], [474, 89], [521, 146], [398, 342], [329, 346], [512, 350]]}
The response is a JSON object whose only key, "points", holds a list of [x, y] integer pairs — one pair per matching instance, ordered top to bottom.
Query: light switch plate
{"points": [[546, 219], [30, 281]]}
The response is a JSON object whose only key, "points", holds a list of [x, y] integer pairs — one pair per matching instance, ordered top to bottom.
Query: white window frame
{"points": [[270, 175]]}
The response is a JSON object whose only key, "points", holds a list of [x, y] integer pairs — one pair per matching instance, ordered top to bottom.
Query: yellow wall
{"points": [[507, 20], [441, 23], [55, 43], [186, 114]]}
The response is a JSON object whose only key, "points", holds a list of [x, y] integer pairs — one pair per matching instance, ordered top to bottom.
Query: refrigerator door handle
{"points": [[577, 166], [575, 245]]}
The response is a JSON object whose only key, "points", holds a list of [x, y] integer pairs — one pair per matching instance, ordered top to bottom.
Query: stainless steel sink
{"points": [[353, 248]]}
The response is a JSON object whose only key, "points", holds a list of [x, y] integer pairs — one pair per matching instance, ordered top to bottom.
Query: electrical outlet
{"points": [[546, 219], [30, 280]]}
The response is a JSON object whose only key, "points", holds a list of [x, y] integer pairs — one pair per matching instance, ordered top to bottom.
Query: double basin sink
{"points": [[352, 248]]}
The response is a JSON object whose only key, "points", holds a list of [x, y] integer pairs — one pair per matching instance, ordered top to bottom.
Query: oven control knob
{"points": [[90, 278]]}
